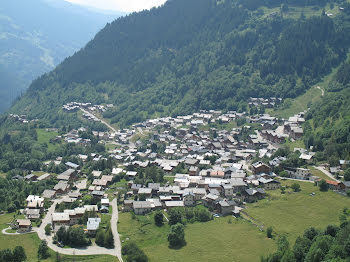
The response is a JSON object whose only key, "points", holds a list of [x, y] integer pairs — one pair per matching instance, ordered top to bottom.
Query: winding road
{"points": [[90, 250]]}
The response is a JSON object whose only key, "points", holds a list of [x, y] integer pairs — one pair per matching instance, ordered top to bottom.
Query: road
{"points": [[318, 87], [101, 120], [324, 171], [294, 179], [90, 250]]}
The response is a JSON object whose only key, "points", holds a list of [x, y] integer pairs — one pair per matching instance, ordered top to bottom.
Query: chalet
{"points": [[190, 162], [344, 164], [72, 165], [260, 167], [193, 171], [299, 173], [68, 175], [31, 177], [44, 177], [238, 184], [269, 184], [334, 185], [61, 187], [227, 190], [145, 191], [49, 194], [251, 195], [189, 199], [210, 200], [105, 202], [172, 204], [128, 205], [225, 206], [142, 207], [33, 214], [59, 220], [23, 225], [92, 225]]}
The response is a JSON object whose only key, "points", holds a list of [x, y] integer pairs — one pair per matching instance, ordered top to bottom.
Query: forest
{"points": [[204, 54]]}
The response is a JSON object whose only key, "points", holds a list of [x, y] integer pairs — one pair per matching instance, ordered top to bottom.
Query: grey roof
{"points": [[141, 204], [93, 223]]}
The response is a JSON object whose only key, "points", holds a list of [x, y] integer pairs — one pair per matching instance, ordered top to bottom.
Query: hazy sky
{"points": [[120, 5]]}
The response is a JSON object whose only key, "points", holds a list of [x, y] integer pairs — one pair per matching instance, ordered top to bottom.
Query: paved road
{"points": [[102, 121], [324, 171], [293, 179], [4, 232], [90, 250]]}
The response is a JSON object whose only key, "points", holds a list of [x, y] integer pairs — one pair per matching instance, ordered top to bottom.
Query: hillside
{"points": [[31, 45], [197, 54]]}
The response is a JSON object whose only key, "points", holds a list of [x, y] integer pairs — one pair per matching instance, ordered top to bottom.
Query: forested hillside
{"points": [[32, 44], [196, 54], [328, 129]]}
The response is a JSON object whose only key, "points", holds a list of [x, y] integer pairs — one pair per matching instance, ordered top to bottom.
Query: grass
{"points": [[298, 104], [44, 137], [296, 144], [316, 172], [292, 213], [215, 240], [30, 243]]}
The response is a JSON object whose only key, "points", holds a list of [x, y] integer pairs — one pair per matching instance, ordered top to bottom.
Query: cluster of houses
{"points": [[265, 102], [75, 106], [21, 118], [221, 189]]}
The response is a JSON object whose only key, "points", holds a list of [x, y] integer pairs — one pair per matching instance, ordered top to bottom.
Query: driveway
{"points": [[324, 171], [90, 250]]}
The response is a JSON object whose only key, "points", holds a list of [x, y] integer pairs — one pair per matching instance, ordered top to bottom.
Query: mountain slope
{"points": [[36, 35], [195, 54]]}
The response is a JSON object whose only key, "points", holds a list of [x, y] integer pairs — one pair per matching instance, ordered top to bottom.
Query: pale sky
{"points": [[119, 5]]}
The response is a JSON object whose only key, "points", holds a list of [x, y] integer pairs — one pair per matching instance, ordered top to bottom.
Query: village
{"points": [[187, 161]]}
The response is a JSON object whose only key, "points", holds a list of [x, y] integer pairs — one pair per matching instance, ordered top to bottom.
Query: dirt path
{"points": [[318, 87], [102, 121]]}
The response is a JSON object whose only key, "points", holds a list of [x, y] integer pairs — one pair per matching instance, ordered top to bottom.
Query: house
{"points": [[190, 162], [344, 164], [72, 165], [260, 167], [193, 171], [299, 173], [68, 175], [31, 177], [44, 177], [238, 184], [269, 184], [334, 185], [346, 185], [61, 187], [227, 190], [145, 191], [49, 194], [251, 195], [189, 199], [210, 200], [105, 202], [172, 204], [128, 205], [141, 207], [226, 207], [104, 210], [33, 214], [59, 220], [23, 225], [92, 225]]}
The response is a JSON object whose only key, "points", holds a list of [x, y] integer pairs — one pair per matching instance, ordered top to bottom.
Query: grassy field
{"points": [[298, 104], [44, 137], [316, 172], [292, 213], [217, 240], [30, 243]]}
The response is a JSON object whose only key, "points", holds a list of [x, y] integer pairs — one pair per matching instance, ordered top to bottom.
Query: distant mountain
{"points": [[36, 35], [197, 54]]}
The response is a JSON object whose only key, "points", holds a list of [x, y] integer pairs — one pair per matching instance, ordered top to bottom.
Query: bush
{"points": [[323, 186], [295, 187], [158, 218], [48, 229], [269, 232], [176, 236], [43, 250], [133, 253]]}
